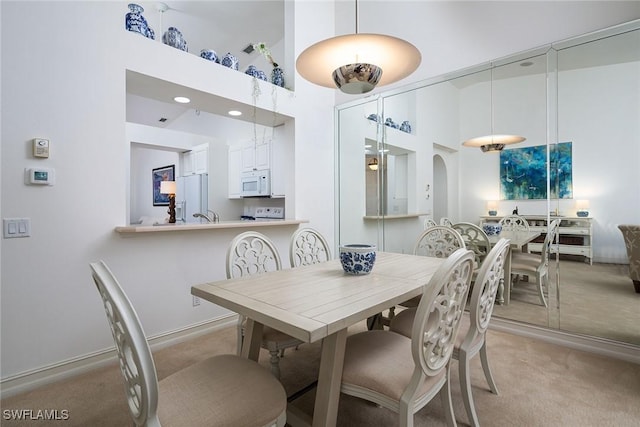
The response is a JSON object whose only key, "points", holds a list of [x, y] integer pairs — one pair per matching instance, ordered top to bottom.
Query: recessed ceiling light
{"points": [[182, 99], [234, 113]]}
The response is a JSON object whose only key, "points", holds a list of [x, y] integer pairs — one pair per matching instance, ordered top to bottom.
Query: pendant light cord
{"points": [[356, 16], [491, 105]]}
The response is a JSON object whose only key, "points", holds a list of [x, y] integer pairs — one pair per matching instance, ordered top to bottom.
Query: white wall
{"points": [[63, 78]]}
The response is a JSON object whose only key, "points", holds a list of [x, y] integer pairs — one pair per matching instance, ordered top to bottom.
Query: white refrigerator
{"points": [[192, 194]]}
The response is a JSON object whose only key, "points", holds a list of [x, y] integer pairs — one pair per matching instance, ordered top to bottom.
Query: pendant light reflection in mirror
{"points": [[492, 143]]}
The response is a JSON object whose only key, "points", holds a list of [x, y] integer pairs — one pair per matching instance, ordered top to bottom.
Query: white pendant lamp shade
{"points": [[357, 63], [491, 143]]}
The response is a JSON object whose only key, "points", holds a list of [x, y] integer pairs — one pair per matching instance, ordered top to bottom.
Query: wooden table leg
{"points": [[252, 340], [325, 411]]}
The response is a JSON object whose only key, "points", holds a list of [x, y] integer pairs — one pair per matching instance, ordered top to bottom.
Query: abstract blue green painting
{"points": [[523, 172]]}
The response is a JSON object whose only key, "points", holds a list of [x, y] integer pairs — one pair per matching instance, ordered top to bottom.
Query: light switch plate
{"points": [[16, 227]]}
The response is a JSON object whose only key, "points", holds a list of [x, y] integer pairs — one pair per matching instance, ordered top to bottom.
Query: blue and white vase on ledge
{"points": [[135, 22], [173, 37], [230, 61], [277, 76]]}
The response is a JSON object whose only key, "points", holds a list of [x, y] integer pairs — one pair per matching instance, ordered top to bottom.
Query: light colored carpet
{"points": [[596, 300], [540, 385]]}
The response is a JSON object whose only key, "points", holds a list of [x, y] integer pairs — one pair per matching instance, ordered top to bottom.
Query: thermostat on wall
{"points": [[40, 147], [40, 176]]}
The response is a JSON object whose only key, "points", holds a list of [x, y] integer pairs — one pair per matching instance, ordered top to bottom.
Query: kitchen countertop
{"points": [[163, 228]]}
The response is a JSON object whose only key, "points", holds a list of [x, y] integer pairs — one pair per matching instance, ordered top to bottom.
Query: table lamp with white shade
{"points": [[169, 188], [582, 207]]}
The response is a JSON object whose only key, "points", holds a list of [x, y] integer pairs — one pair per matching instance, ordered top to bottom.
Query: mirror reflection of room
{"points": [[568, 101]]}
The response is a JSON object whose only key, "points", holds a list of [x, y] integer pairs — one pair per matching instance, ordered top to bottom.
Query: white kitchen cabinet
{"points": [[248, 156], [256, 156], [195, 161], [235, 170]]}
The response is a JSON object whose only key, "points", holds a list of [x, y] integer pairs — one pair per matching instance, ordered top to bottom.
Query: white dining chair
{"points": [[446, 221], [429, 223], [514, 223], [475, 239], [438, 241], [307, 246], [252, 253], [524, 264], [471, 338], [404, 374], [221, 390]]}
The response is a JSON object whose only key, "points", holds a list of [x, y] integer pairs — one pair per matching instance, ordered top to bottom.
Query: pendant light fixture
{"points": [[357, 63], [493, 142], [373, 164]]}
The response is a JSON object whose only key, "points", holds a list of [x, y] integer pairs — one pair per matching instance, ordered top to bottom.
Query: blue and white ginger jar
{"points": [[135, 22], [173, 37], [209, 55], [229, 60], [254, 72], [277, 76], [405, 126]]}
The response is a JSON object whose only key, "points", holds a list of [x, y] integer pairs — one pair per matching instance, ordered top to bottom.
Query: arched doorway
{"points": [[440, 188]]}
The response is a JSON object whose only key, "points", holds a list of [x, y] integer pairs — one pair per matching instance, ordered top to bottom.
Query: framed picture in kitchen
{"points": [[165, 173]]}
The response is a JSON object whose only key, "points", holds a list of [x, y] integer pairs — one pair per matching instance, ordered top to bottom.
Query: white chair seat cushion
{"points": [[525, 261], [381, 361], [185, 397]]}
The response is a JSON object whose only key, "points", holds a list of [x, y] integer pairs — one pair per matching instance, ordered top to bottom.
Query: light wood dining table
{"points": [[517, 240], [319, 302]]}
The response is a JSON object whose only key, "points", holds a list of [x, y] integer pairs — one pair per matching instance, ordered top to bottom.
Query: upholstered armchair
{"points": [[631, 234]]}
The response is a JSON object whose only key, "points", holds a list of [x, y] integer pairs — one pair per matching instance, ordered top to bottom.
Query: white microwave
{"points": [[256, 183]]}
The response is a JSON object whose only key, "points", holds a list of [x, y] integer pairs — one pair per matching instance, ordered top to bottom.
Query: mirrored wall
{"points": [[577, 102]]}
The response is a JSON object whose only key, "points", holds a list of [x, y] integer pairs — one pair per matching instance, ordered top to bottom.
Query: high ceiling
{"points": [[450, 34]]}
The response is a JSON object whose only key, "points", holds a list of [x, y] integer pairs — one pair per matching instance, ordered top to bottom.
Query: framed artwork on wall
{"points": [[523, 172], [165, 173]]}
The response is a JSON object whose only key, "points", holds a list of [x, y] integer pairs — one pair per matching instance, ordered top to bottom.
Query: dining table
{"points": [[518, 239], [319, 302]]}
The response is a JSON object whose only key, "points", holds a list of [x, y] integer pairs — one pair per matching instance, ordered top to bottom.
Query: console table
{"points": [[575, 233]]}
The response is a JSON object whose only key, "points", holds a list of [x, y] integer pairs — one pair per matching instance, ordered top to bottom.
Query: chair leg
{"points": [[540, 280], [275, 363], [487, 369], [465, 388], [447, 403]]}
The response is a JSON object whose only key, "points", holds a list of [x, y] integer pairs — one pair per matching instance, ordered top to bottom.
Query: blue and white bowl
{"points": [[209, 55], [230, 61], [373, 117], [492, 228], [357, 259]]}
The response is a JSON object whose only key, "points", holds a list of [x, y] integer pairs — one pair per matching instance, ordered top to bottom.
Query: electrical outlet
{"points": [[195, 300]]}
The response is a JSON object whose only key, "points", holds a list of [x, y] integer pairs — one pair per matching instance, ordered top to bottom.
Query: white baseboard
{"points": [[600, 346], [30, 380]]}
